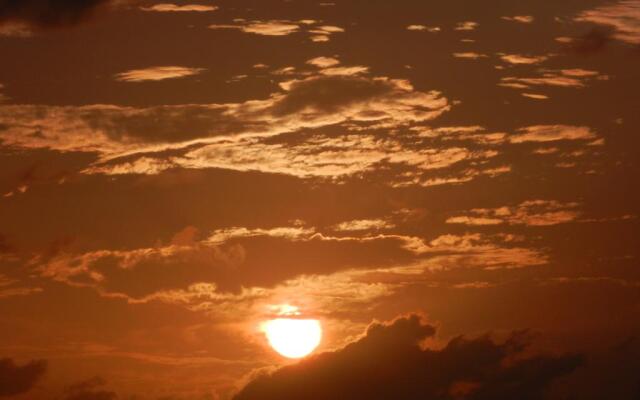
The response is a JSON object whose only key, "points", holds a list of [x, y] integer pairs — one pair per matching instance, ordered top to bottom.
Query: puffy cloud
{"points": [[169, 7], [623, 17], [157, 73], [552, 133], [530, 212], [389, 362], [17, 379]]}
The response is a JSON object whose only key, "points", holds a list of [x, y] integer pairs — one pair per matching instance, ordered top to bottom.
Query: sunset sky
{"points": [[448, 191]]}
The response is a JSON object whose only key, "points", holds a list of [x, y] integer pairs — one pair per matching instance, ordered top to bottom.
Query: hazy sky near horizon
{"points": [[465, 173]]}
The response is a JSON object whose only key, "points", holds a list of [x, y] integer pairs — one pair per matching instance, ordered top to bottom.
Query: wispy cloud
{"points": [[169, 7], [524, 19], [316, 32], [470, 55], [522, 59], [157, 73], [567, 78], [552, 133], [530, 212]]}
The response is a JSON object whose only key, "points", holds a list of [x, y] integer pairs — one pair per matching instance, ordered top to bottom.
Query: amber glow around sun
{"points": [[293, 338]]}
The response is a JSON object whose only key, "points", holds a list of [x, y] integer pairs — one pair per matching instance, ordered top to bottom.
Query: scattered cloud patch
{"points": [[169, 7], [623, 17], [524, 19], [467, 26], [424, 28], [318, 33], [470, 55], [518, 59], [324, 62], [157, 73], [566, 78], [535, 96], [552, 133], [530, 213], [363, 225]]}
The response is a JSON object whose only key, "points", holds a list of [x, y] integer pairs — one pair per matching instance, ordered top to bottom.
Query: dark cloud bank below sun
{"points": [[390, 363]]}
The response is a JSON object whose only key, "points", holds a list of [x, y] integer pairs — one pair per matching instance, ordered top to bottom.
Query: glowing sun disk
{"points": [[293, 338]]}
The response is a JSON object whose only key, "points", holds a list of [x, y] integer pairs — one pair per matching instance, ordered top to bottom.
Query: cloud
{"points": [[168, 7], [46, 13], [623, 17], [524, 19], [467, 26], [265, 28], [15, 29], [431, 29], [317, 33], [593, 41], [470, 55], [518, 59], [323, 62], [157, 73], [566, 78], [535, 96], [313, 102], [552, 133], [530, 212], [363, 225], [257, 260], [8, 286], [388, 362], [17, 379], [89, 390]]}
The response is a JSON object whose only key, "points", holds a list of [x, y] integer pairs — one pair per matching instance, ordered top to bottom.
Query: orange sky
{"points": [[449, 187]]}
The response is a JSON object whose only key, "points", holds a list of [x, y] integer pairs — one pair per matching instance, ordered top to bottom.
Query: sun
{"points": [[293, 338]]}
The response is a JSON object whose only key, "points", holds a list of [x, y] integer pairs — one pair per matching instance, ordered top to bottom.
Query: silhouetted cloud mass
{"points": [[47, 13], [389, 363], [18, 379], [90, 390]]}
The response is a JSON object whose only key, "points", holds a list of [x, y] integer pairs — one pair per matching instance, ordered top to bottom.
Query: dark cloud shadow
{"points": [[48, 14], [389, 363], [18, 379], [90, 389]]}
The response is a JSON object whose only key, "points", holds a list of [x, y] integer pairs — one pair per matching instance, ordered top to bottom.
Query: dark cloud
{"points": [[48, 13], [596, 40], [5, 246], [389, 363], [16, 379], [90, 390]]}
